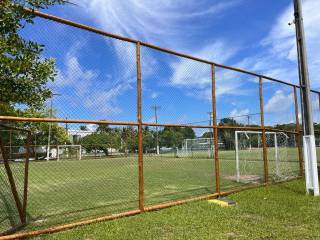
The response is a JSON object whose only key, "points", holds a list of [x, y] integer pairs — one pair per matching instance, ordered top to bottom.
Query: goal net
{"points": [[197, 147], [69, 152], [282, 157]]}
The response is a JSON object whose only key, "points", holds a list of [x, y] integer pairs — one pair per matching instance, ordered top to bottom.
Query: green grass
{"points": [[65, 191], [276, 212]]}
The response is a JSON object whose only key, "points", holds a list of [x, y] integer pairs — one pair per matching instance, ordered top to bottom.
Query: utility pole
{"points": [[156, 108], [50, 123], [66, 127], [49, 131], [310, 157]]}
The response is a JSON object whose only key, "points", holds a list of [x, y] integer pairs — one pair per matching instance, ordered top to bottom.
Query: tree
{"points": [[24, 72], [83, 128], [103, 128], [207, 134], [227, 135], [174, 136], [129, 138], [149, 140], [101, 141]]}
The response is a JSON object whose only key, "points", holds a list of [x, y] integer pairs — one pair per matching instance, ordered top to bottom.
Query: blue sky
{"points": [[97, 75]]}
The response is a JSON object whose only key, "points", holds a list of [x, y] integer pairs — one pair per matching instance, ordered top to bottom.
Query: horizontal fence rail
{"points": [[72, 169]]}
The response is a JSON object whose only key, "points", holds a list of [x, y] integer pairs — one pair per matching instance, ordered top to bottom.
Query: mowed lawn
{"points": [[66, 191], [280, 211]]}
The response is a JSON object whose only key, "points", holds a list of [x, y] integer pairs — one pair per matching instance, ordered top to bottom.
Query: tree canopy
{"points": [[24, 72]]}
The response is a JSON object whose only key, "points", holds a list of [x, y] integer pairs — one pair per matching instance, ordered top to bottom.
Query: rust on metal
{"points": [[115, 36], [63, 120], [214, 123], [251, 128], [299, 135], [140, 140], [264, 140], [12, 182], [124, 214], [69, 226]]}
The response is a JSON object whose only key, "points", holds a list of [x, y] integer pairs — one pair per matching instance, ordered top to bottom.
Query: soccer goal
{"points": [[197, 147], [69, 152], [248, 154]]}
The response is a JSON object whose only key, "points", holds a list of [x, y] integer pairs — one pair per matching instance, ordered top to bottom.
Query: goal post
{"points": [[249, 146], [197, 147], [69, 151]]}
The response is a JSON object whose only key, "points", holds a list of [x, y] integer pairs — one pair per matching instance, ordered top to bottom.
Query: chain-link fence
{"points": [[132, 127], [14, 172]]}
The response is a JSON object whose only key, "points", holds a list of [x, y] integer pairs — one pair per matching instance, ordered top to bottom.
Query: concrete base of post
{"points": [[310, 162]]}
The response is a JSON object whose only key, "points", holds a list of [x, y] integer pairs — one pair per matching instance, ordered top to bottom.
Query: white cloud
{"points": [[160, 22], [164, 23], [279, 55], [188, 72], [73, 73], [196, 76], [80, 85], [154, 95], [105, 101], [279, 102], [239, 115], [92, 127]]}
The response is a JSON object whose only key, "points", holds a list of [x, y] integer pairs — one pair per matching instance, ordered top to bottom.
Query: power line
{"points": [[231, 117]]}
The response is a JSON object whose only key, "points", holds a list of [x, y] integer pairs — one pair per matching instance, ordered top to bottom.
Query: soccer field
{"points": [[65, 191]]}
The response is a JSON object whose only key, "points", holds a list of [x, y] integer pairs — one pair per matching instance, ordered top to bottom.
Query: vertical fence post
{"points": [[214, 125], [298, 136], [264, 140], [140, 143]]}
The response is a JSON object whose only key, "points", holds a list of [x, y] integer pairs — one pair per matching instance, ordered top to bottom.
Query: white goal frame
{"points": [[60, 146], [186, 149], [276, 152]]}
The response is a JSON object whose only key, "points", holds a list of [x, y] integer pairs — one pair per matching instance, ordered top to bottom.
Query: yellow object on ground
{"points": [[222, 202]]}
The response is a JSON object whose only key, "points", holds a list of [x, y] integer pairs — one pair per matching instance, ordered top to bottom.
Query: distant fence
{"points": [[135, 160]]}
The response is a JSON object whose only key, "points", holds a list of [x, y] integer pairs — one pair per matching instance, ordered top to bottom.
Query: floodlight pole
{"points": [[312, 182]]}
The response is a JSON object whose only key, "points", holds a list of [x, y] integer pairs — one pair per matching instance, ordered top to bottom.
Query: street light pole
{"points": [[312, 182]]}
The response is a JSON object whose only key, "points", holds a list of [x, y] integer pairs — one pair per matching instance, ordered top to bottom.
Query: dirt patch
{"points": [[245, 178]]}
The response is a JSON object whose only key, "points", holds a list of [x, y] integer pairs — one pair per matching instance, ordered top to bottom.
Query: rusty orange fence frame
{"points": [[139, 123], [21, 204]]}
